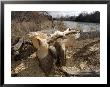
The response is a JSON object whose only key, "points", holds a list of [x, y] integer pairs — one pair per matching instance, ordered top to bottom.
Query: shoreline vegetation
{"points": [[82, 58]]}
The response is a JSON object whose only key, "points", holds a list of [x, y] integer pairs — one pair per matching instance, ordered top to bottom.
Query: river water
{"points": [[83, 26]]}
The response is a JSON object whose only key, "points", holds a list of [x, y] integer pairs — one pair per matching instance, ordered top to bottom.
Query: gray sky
{"points": [[66, 13]]}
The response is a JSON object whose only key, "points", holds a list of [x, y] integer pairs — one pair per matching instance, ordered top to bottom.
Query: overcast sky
{"points": [[66, 13]]}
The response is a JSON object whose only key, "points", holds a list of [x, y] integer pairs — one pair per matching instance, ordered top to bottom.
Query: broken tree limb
{"points": [[59, 34]]}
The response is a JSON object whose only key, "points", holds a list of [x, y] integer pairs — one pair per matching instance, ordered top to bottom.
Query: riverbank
{"points": [[82, 57]]}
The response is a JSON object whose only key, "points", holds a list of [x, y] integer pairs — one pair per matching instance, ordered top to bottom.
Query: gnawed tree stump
{"points": [[58, 56]]}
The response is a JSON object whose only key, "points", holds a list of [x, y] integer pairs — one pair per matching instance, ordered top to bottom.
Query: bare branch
{"points": [[59, 34]]}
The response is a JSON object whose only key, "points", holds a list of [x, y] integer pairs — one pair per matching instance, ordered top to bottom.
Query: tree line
{"points": [[82, 17], [85, 17]]}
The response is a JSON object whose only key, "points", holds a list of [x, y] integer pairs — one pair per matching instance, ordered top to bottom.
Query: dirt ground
{"points": [[82, 59]]}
